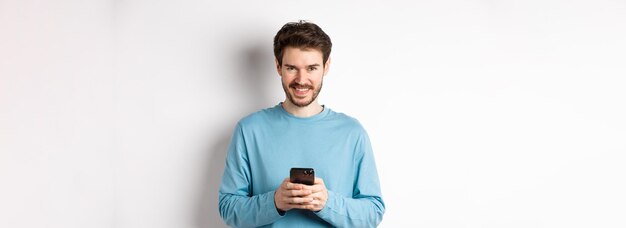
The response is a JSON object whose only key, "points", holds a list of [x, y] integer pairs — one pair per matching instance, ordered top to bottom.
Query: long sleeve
{"points": [[266, 144], [237, 206], [365, 208]]}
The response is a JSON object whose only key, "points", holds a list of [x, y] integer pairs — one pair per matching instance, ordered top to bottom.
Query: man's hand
{"points": [[291, 195], [319, 195]]}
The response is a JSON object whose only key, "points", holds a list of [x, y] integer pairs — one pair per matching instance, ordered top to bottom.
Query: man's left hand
{"points": [[319, 193]]}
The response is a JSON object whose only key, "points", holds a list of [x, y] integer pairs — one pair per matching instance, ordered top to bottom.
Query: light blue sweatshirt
{"points": [[268, 143]]}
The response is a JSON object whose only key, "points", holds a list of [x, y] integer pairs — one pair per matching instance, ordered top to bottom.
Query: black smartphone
{"points": [[302, 176]]}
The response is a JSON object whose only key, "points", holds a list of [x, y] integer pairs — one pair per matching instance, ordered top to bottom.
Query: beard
{"points": [[302, 103]]}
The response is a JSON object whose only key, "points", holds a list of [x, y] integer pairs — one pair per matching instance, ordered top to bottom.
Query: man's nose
{"points": [[301, 75]]}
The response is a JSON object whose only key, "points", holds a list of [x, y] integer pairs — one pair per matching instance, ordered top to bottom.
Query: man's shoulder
{"points": [[258, 117], [346, 120]]}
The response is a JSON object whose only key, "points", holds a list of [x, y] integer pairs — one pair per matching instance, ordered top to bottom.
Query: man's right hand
{"points": [[290, 195]]}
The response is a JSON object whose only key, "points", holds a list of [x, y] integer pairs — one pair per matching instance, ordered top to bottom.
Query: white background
{"points": [[481, 113]]}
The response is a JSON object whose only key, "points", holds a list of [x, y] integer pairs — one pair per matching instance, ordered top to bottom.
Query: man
{"points": [[299, 132]]}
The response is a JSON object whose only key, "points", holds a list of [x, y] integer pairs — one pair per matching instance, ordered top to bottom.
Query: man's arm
{"points": [[238, 207], [365, 208]]}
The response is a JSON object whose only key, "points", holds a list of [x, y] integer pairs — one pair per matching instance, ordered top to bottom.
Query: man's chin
{"points": [[301, 102]]}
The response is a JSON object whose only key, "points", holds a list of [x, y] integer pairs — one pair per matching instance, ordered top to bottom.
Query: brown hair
{"points": [[301, 34]]}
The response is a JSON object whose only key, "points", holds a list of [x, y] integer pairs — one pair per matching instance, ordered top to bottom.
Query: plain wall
{"points": [[481, 113]]}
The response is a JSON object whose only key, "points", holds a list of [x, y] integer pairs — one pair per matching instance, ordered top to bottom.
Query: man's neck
{"points": [[310, 110]]}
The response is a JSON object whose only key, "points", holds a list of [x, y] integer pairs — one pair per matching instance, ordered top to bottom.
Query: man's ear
{"points": [[326, 66], [278, 67]]}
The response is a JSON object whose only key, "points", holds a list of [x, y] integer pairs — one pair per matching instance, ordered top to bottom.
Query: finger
{"points": [[318, 181], [284, 184], [292, 186], [317, 188], [298, 192], [317, 196], [300, 200], [315, 202], [299, 206], [306, 207], [311, 207]]}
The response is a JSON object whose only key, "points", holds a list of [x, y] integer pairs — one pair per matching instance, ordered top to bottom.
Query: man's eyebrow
{"points": [[312, 65]]}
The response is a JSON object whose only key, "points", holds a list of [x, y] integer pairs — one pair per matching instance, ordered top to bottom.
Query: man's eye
{"points": [[290, 68], [312, 68]]}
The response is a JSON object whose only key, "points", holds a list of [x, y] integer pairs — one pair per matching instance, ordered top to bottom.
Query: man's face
{"points": [[302, 73]]}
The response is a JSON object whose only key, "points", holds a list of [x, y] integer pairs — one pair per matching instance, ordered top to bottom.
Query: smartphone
{"points": [[302, 176]]}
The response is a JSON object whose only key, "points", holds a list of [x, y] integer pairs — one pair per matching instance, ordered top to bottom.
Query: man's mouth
{"points": [[301, 90]]}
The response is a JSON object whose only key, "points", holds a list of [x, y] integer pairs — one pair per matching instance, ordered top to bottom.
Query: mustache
{"points": [[298, 85]]}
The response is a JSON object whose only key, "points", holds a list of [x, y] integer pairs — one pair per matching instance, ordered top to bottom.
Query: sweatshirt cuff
{"points": [[331, 203], [269, 207]]}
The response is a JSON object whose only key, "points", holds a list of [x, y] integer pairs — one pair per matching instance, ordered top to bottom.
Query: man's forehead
{"points": [[302, 56]]}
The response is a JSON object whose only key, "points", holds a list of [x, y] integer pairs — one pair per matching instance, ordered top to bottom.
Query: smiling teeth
{"points": [[304, 89]]}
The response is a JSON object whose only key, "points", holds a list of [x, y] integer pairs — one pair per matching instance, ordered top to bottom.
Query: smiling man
{"points": [[299, 132]]}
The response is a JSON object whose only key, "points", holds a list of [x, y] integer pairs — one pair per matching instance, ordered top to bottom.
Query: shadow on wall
{"points": [[251, 79], [208, 213]]}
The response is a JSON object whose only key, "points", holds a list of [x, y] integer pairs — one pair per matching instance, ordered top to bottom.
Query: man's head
{"points": [[303, 35], [302, 52]]}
